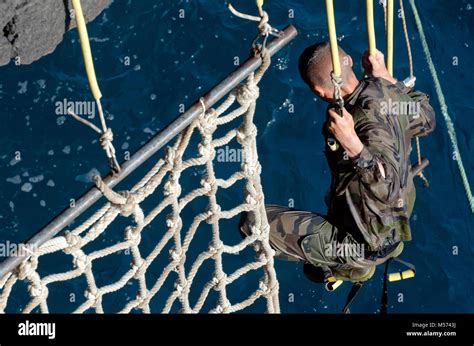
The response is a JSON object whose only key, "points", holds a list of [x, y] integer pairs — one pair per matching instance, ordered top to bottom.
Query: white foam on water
{"points": [[41, 83], [23, 87], [149, 131], [67, 150], [14, 161], [87, 177], [36, 179], [14, 180], [50, 183], [26, 187]]}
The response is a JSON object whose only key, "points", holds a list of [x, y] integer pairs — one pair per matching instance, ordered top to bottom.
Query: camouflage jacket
{"points": [[372, 196]]}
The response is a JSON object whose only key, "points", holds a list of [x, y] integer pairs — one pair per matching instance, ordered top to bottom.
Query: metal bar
{"points": [[150, 148], [416, 169]]}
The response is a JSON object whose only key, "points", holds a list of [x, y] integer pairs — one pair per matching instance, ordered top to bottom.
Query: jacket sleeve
{"points": [[423, 121], [378, 165]]}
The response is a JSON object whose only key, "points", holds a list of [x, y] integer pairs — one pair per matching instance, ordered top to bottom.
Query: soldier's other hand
{"points": [[375, 65], [343, 129]]}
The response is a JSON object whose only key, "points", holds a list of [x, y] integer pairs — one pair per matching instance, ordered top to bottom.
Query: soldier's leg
{"points": [[307, 236]]}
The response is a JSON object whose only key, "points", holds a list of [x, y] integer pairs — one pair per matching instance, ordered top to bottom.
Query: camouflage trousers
{"points": [[305, 236]]}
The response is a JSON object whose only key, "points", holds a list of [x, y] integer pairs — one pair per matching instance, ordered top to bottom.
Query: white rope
{"points": [[444, 107], [106, 135], [184, 271]]}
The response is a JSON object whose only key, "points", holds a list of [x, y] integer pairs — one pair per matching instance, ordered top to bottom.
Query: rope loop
{"points": [[124, 201]]}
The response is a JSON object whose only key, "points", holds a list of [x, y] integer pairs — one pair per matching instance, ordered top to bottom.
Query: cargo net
{"points": [[35, 287]]}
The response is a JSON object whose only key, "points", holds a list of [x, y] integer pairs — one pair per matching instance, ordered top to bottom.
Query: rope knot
{"points": [[264, 27], [247, 93], [208, 122], [106, 139], [206, 151], [170, 156], [251, 169], [206, 184], [171, 187], [124, 201], [128, 207], [212, 210], [170, 221], [132, 235], [74, 242], [176, 256], [261, 257], [81, 261], [135, 265], [27, 268], [216, 281], [180, 287], [36, 289], [266, 290], [91, 294]]}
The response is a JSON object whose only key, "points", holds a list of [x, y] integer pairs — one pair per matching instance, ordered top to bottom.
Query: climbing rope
{"points": [[369, 10], [389, 35], [444, 107], [106, 135], [421, 175], [181, 268]]}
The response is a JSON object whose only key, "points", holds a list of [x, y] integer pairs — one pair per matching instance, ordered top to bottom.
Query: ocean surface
{"points": [[150, 61]]}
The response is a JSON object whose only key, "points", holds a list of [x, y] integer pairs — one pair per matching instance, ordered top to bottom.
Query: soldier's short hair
{"points": [[315, 65]]}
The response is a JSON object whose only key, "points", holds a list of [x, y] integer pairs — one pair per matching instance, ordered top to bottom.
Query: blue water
{"points": [[172, 62]]}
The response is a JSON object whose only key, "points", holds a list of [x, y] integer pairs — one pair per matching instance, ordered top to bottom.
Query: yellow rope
{"points": [[369, 6], [260, 7], [390, 36], [86, 49], [336, 65]]}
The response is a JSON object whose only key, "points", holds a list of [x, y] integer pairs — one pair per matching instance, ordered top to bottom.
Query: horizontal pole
{"points": [[149, 149]]}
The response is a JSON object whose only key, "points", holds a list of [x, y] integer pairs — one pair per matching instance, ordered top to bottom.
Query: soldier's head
{"points": [[315, 67]]}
